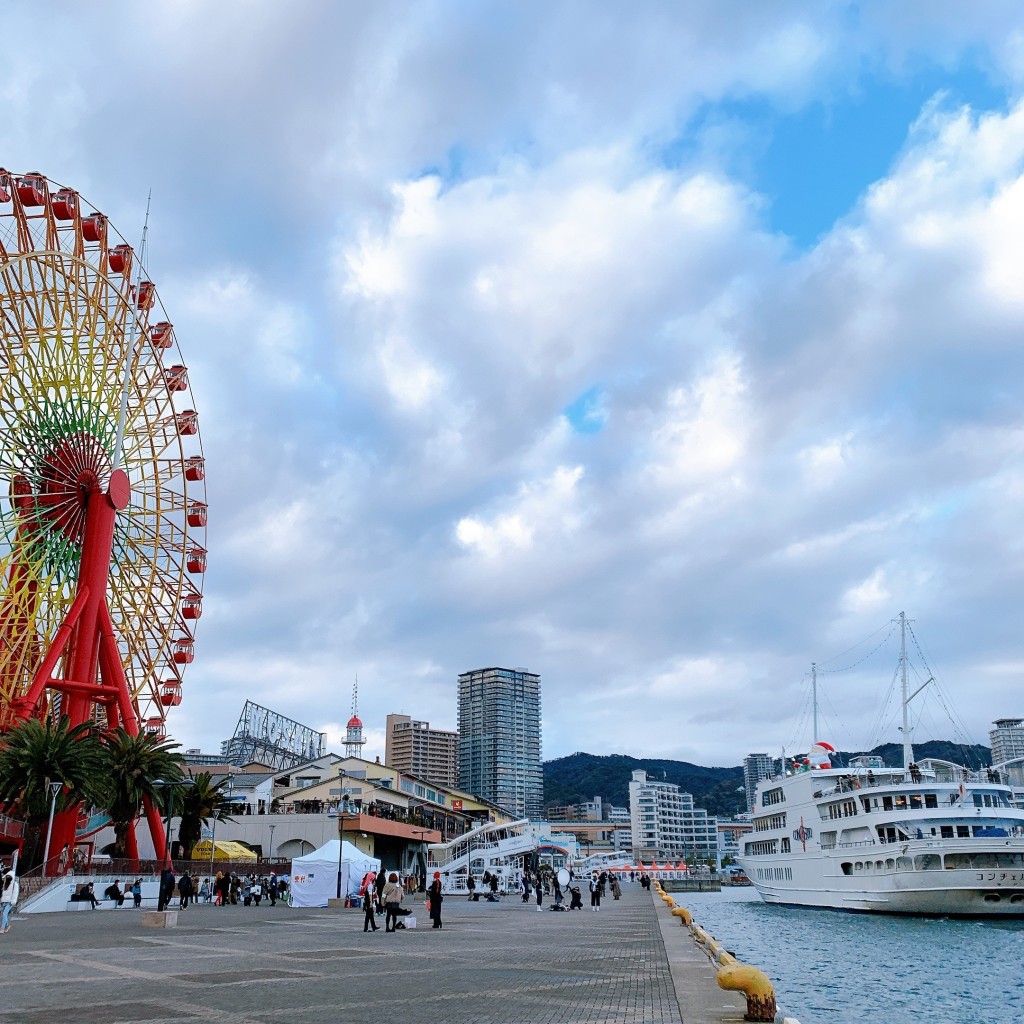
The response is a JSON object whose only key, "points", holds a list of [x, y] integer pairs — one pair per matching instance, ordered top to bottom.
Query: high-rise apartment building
{"points": [[499, 739], [1007, 740], [414, 747], [755, 768], [665, 823]]}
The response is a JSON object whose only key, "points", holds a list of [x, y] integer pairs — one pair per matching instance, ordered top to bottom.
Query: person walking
{"points": [[471, 886], [616, 887], [272, 888], [166, 889], [378, 889], [185, 890], [204, 891], [595, 892], [540, 893], [392, 896], [435, 898], [8, 899], [369, 920]]}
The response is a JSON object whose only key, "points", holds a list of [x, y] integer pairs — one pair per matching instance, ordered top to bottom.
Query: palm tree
{"points": [[35, 753], [135, 766], [201, 801]]}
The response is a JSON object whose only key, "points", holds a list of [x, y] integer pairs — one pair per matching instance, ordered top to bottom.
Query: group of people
{"points": [[247, 890], [383, 893], [117, 894]]}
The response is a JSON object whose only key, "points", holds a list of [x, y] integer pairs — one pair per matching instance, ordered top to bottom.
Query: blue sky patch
{"points": [[813, 164], [589, 413]]}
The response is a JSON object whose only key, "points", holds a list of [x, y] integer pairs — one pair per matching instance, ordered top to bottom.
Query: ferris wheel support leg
{"points": [[93, 573], [113, 675], [41, 679], [156, 829], [131, 844]]}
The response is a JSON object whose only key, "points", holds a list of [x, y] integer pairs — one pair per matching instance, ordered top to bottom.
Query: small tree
{"points": [[132, 765], [198, 803]]}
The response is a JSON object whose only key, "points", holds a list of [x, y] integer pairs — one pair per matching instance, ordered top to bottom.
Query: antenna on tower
{"points": [[355, 696]]}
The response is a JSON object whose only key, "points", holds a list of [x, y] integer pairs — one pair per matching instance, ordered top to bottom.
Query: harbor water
{"points": [[831, 967]]}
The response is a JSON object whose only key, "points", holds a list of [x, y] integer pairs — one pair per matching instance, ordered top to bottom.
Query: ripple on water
{"points": [[831, 967]]}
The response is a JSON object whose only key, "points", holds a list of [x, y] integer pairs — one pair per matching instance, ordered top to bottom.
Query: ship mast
{"points": [[814, 699], [908, 746]]}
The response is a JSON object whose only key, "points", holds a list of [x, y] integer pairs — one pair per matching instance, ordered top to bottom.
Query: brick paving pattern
{"points": [[500, 963]]}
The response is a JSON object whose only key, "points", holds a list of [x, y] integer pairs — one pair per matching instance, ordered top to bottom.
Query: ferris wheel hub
{"points": [[120, 490]]}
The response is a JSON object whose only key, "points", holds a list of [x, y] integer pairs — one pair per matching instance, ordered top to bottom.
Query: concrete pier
{"points": [[493, 963]]}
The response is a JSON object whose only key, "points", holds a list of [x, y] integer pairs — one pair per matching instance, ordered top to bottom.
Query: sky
{"points": [[661, 349]]}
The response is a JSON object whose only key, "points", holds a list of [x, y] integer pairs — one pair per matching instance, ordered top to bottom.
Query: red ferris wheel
{"points": [[102, 492]]}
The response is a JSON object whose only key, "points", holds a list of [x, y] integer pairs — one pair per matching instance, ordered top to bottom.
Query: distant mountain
{"points": [[580, 777]]}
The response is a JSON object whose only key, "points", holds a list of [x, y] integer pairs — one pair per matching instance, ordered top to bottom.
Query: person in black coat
{"points": [[166, 888], [114, 892], [435, 897]]}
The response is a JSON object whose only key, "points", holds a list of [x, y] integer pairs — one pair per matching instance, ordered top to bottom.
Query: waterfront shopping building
{"points": [[499, 739], [413, 747], [665, 822]]}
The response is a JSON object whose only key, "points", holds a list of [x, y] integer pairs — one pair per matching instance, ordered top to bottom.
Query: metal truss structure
{"points": [[265, 736]]}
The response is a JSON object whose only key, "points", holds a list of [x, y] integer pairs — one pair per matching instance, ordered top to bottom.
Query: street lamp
{"points": [[168, 786], [54, 788], [342, 809], [272, 827]]}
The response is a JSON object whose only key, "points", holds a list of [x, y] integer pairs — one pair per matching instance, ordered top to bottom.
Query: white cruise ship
{"points": [[929, 838]]}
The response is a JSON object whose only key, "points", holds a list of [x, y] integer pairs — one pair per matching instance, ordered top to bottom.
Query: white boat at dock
{"points": [[930, 837]]}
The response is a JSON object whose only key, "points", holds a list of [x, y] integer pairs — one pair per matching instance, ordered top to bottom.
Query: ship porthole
{"points": [[993, 897], [1017, 897]]}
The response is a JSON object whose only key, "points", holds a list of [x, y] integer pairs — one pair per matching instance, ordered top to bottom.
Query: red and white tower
{"points": [[354, 730]]}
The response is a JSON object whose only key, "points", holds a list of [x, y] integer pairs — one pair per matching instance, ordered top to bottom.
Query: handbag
{"points": [[428, 904]]}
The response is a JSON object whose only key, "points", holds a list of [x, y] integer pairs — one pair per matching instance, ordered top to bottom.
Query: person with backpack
{"points": [[113, 892]]}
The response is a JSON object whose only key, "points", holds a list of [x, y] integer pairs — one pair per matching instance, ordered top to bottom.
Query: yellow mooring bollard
{"points": [[685, 917], [757, 987]]}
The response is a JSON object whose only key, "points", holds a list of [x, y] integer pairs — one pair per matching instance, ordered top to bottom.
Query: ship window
{"points": [[977, 799], [931, 800], [916, 802], [887, 803], [901, 803], [946, 831], [963, 832], [785, 845], [958, 860], [983, 860], [1010, 860], [927, 862], [890, 864], [904, 864], [879, 865], [847, 867], [858, 867]]}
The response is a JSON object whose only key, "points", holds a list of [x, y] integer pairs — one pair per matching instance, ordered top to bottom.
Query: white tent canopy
{"points": [[314, 877]]}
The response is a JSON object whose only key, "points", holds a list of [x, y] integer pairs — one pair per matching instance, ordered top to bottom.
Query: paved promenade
{"points": [[500, 963]]}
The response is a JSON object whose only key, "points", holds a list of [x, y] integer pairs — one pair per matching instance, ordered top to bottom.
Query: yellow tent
{"points": [[224, 850]]}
